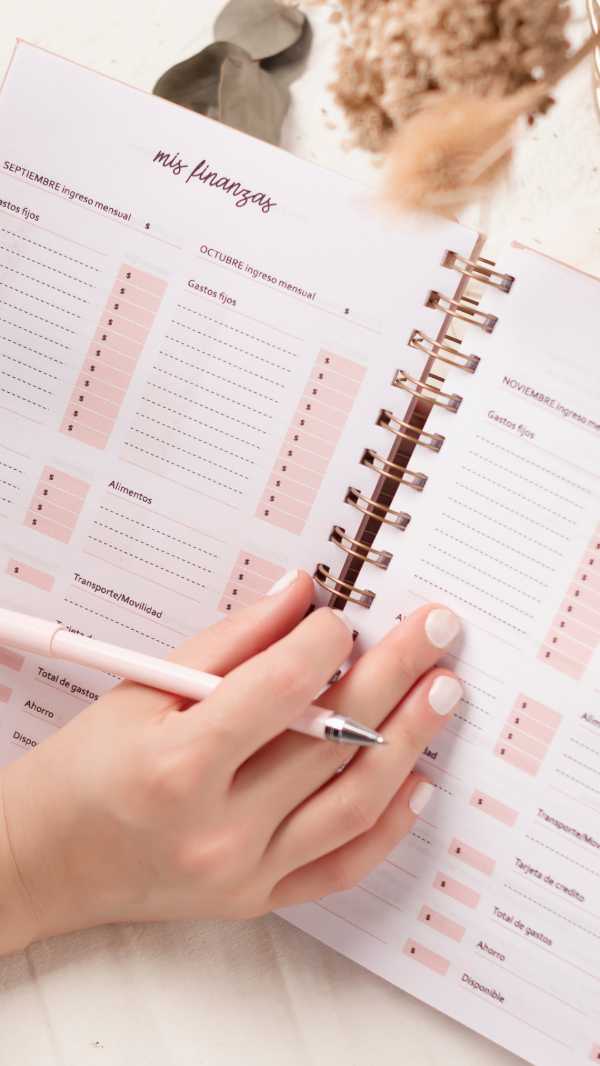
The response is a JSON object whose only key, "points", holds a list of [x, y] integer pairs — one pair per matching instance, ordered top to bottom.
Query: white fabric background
{"points": [[262, 993]]}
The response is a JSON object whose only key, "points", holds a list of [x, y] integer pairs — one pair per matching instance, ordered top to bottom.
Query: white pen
{"points": [[55, 642]]}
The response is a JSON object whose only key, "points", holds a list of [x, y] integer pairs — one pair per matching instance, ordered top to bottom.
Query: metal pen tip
{"points": [[347, 731], [382, 740]]}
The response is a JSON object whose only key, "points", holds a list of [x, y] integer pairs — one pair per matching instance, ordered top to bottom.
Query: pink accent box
{"points": [[142, 280], [126, 291], [130, 311], [122, 327], [109, 338], [118, 360], [341, 365], [105, 373], [320, 375], [316, 390], [111, 392], [95, 403], [311, 405], [85, 417], [317, 429], [83, 434], [309, 443], [308, 460], [297, 473], [66, 482], [292, 488], [46, 493], [278, 499], [42, 508], [281, 520], [49, 529], [260, 566], [30, 575], [589, 577], [246, 579], [240, 592], [585, 595], [227, 606], [581, 613], [566, 623], [561, 642], [11, 658], [560, 662], [5, 693], [538, 711], [529, 726], [510, 734], [508, 753], [493, 807], [473, 858], [456, 890], [441, 924], [426, 957], [594, 1054]]}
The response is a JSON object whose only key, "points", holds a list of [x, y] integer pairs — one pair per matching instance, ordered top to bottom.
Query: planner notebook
{"points": [[220, 362]]}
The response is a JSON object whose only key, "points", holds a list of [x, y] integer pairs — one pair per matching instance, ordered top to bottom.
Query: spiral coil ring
{"points": [[469, 362], [450, 401], [410, 433], [379, 511], [359, 549], [363, 597]]}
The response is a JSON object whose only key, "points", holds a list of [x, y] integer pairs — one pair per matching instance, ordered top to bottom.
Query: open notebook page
{"points": [[197, 334], [490, 909]]}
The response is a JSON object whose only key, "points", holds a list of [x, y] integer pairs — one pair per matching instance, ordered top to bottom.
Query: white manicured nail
{"points": [[283, 582], [342, 617], [442, 627], [444, 694], [420, 797]]}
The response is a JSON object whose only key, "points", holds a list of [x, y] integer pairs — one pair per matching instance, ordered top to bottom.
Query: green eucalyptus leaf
{"points": [[262, 27], [289, 64], [195, 82], [251, 100]]}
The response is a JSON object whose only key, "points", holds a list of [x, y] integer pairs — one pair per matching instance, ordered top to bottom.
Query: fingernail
{"points": [[283, 582], [342, 617], [442, 627], [444, 694], [421, 796]]}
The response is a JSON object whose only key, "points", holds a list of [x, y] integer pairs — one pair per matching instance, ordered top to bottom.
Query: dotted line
{"points": [[47, 249], [54, 270], [46, 284], [30, 296], [48, 321], [235, 330], [34, 334], [34, 350], [219, 358], [29, 367], [217, 376], [23, 382], [219, 394], [24, 399], [196, 403], [215, 429], [197, 439], [202, 458], [531, 463], [180, 467], [15, 468], [513, 473], [9, 483], [519, 496], [5, 499], [517, 513], [136, 522], [502, 526], [472, 547], [156, 566], [498, 579], [477, 589], [476, 606], [130, 628], [471, 685], [475, 706], [467, 720], [572, 739], [569, 757], [577, 781], [442, 789], [419, 838], [563, 856], [557, 913]]}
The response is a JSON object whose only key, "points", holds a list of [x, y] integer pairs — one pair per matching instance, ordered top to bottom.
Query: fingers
{"points": [[294, 766], [352, 803], [346, 866]]}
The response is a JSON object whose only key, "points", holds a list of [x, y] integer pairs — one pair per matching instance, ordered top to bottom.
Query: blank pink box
{"points": [[142, 280], [126, 291], [132, 312], [111, 320], [109, 339], [118, 360], [341, 365], [101, 372], [321, 375], [315, 390], [111, 392], [95, 403], [310, 405], [86, 417], [320, 430], [84, 434], [310, 443], [306, 459], [297, 473], [56, 478], [292, 488], [49, 494], [277, 498], [53, 512], [281, 520], [49, 529], [260, 566], [30, 575], [588, 576], [241, 592], [584, 595], [229, 606], [581, 613], [565, 623], [561, 642], [11, 658], [561, 662], [5, 693], [531, 727], [511, 735], [514, 757], [493, 807], [473, 858], [456, 890], [441, 924], [426, 957], [594, 1054]]}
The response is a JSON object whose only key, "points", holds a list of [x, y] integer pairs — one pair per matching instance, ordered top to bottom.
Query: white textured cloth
{"points": [[262, 993]]}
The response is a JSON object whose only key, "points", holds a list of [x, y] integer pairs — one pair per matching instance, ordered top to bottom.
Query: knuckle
{"points": [[289, 677], [357, 813], [207, 858]]}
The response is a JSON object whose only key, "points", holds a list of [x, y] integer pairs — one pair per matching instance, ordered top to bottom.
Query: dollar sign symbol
{"points": [[147, 225], [347, 311]]}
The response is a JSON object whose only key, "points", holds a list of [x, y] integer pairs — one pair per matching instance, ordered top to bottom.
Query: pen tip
{"points": [[382, 740]]}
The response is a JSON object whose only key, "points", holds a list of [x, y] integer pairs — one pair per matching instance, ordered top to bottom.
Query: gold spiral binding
{"points": [[477, 272], [462, 311], [469, 362], [450, 401], [408, 432], [398, 473], [373, 509], [359, 549], [364, 597]]}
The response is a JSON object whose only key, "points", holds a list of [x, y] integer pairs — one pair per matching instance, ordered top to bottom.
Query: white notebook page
{"points": [[490, 909]]}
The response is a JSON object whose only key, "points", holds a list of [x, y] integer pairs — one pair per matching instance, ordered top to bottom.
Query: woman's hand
{"points": [[145, 808]]}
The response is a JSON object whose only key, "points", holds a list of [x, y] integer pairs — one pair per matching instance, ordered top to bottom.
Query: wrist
{"points": [[17, 924]]}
